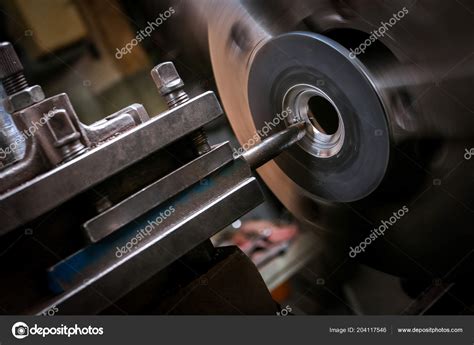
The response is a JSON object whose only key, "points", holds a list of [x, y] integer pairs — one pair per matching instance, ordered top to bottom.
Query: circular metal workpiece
{"points": [[314, 79], [325, 129]]}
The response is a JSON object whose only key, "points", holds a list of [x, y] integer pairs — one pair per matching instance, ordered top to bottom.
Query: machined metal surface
{"points": [[115, 123], [50, 134], [320, 142], [35, 197]]}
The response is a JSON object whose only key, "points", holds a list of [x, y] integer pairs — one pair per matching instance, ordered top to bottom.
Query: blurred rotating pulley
{"points": [[313, 78], [389, 127]]}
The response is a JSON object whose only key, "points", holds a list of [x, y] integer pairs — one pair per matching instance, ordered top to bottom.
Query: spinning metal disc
{"points": [[299, 71], [400, 117]]}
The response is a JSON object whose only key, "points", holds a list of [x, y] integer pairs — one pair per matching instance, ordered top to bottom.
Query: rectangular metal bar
{"points": [[156, 193]]}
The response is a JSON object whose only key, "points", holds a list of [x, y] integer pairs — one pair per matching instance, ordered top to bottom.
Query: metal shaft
{"points": [[274, 145]]}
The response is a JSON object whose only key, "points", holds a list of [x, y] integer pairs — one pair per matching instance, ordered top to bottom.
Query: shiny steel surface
{"points": [[422, 73], [318, 141], [32, 199]]}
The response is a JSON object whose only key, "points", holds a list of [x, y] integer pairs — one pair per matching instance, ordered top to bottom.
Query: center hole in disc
{"points": [[323, 115]]}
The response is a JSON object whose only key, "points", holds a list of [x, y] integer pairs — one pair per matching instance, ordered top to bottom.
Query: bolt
{"points": [[11, 70], [166, 78], [171, 88], [65, 136]]}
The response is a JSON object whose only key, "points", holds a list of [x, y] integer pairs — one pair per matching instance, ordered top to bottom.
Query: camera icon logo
{"points": [[20, 330]]}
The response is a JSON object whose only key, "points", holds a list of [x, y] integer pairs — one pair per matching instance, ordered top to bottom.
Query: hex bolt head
{"points": [[166, 78], [170, 86], [24, 98], [61, 127], [65, 136]]}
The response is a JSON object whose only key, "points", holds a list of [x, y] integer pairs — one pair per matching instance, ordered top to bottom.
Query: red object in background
{"points": [[261, 238]]}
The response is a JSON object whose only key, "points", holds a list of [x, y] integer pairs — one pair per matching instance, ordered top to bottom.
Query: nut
{"points": [[166, 78], [23, 98]]}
